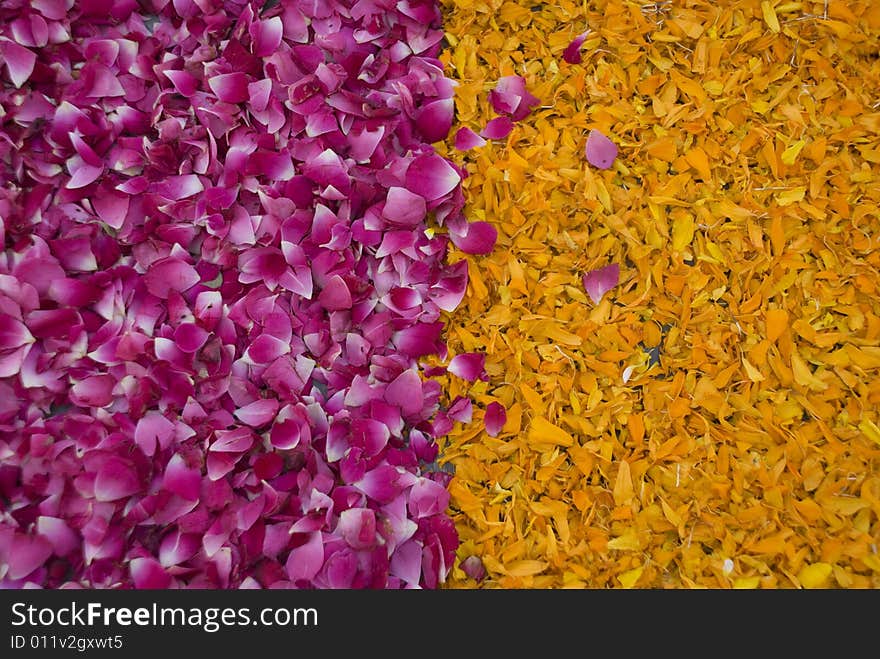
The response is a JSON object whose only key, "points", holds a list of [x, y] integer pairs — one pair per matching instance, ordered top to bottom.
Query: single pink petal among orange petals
{"points": [[572, 53], [497, 128], [466, 139], [600, 150], [600, 281], [468, 365], [494, 418]]}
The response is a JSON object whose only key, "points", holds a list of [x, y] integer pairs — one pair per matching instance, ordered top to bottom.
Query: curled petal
{"points": [[572, 53], [510, 97]]}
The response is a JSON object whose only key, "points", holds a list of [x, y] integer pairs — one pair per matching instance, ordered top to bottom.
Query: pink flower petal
{"points": [[266, 36], [572, 53], [19, 62], [184, 83], [230, 87], [510, 97], [434, 120], [497, 128], [466, 139], [600, 151], [81, 174], [431, 176], [180, 187], [403, 207], [479, 239], [170, 274], [600, 281], [335, 294], [13, 333], [189, 337], [468, 365], [94, 391], [405, 391], [258, 413], [494, 418], [153, 430], [237, 440], [116, 479], [181, 479], [384, 483], [427, 498], [357, 526], [63, 539], [177, 548], [26, 554], [305, 561], [406, 563], [473, 567], [148, 574]]}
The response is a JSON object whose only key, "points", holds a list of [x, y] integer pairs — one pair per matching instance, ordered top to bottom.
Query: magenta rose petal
{"points": [[266, 36], [572, 52], [19, 61], [184, 83], [230, 87], [510, 97], [434, 120], [497, 128], [466, 139], [600, 150], [431, 176], [404, 207], [480, 238], [170, 274], [600, 281], [335, 295], [13, 333], [189, 337], [468, 365], [405, 391], [258, 413], [494, 418], [153, 431], [116, 479], [181, 479], [357, 526], [57, 531], [26, 554], [304, 562], [474, 568], [148, 574]]}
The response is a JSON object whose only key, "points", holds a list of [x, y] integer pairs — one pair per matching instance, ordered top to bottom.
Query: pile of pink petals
{"points": [[217, 294]]}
